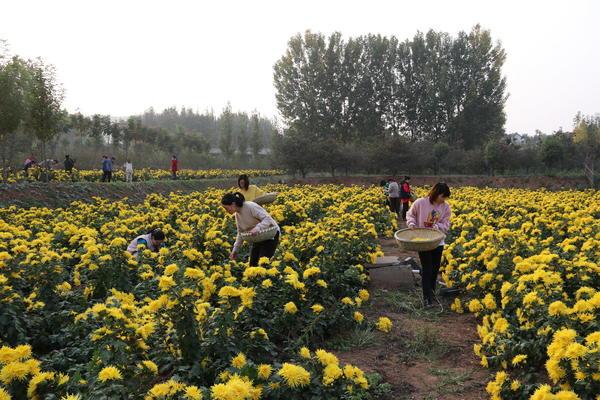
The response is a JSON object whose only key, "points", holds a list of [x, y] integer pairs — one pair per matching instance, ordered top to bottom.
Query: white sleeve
{"points": [[263, 216]]}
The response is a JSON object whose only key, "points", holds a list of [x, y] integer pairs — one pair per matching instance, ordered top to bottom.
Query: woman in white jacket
{"points": [[250, 217]]}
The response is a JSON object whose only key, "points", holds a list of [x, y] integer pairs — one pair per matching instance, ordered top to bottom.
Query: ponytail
{"points": [[233, 198]]}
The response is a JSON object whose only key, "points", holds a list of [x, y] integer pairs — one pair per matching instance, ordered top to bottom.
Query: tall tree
{"points": [[14, 84], [46, 117], [587, 135], [226, 138], [255, 138], [242, 141]]}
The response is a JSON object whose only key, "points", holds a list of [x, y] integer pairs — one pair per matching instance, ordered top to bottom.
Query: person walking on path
{"points": [[174, 166], [107, 167], [128, 167], [394, 196], [405, 196], [431, 212], [250, 217]]}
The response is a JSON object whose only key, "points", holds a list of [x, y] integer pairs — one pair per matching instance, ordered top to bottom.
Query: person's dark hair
{"points": [[244, 177], [407, 178], [382, 183], [438, 189], [233, 198], [157, 234]]}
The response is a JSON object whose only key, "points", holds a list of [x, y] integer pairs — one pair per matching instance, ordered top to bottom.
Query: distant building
{"points": [[516, 139]]}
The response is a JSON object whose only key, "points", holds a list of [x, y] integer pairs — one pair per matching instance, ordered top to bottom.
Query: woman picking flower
{"points": [[249, 191], [431, 212], [252, 218], [153, 241]]}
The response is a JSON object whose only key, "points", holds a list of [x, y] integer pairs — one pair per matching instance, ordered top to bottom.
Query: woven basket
{"points": [[266, 198], [261, 236], [418, 239]]}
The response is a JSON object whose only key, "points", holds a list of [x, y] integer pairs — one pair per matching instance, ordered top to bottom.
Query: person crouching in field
{"points": [[250, 192], [431, 212], [250, 217], [153, 241]]}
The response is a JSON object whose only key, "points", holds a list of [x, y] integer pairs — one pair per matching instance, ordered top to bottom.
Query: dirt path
{"points": [[525, 182], [428, 354]]}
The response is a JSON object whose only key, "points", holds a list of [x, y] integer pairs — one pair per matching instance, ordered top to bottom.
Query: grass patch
{"points": [[407, 303], [356, 339], [427, 344], [451, 381]]}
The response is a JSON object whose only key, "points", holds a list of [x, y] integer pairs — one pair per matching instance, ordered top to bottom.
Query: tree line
{"points": [[430, 104], [34, 122]]}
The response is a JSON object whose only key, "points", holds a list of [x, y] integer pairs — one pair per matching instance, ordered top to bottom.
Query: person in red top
{"points": [[174, 167], [405, 196]]}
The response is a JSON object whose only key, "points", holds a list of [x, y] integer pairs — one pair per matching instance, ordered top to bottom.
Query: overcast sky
{"points": [[122, 57]]}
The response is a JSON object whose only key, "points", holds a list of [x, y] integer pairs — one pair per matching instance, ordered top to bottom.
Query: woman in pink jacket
{"points": [[431, 212]]}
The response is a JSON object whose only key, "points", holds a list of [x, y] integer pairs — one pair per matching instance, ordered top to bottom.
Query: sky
{"points": [[122, 57]]}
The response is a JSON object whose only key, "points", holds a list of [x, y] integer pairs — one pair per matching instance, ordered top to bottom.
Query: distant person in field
{"points": [[29, 162], [49, 163], [69, 164], [107, 166], [174, 166], [128, 167], [385, 188], [250, 192], [394, 196], [405, 196], [431, 212], [250, 217], [153, 241]]}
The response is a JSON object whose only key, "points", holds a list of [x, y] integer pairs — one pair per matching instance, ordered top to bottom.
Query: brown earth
{"points": [[526, 182], [60, 194], [429, 353]]}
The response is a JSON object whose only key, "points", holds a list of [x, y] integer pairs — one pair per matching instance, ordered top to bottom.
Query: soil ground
{"points": [[526, 182], [60, 194], [428, 354]]}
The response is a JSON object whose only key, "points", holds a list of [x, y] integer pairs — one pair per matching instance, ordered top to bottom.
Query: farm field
{"points": [[140, 175], [80, 318]]}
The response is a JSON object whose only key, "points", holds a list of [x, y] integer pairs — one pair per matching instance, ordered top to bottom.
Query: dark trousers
{"points": [[106, 176], [395, 204], [405, 207], [265, 248], [430, 266]]}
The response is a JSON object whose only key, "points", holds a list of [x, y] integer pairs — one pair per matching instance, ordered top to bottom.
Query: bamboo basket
{"points": [[266, 198], [261, 236], [418, 239]]}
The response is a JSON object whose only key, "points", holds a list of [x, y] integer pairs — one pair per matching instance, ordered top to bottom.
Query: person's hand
{"points": [[411, 227], [253, 232], [233, 255]]}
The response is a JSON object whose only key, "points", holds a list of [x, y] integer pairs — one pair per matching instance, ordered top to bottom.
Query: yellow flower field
{"points": [[142, 174], [528, 263], [80, 318]]}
